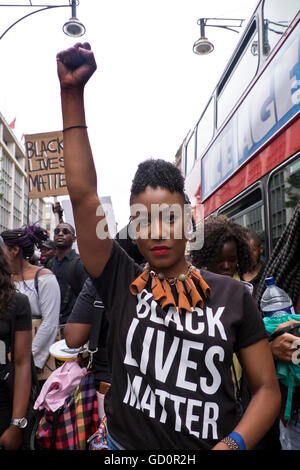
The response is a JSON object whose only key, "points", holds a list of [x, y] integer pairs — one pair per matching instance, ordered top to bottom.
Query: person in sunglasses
{"points": [[68, 269]]}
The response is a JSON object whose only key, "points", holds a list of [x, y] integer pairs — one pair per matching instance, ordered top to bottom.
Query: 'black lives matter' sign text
{"points": [[45, 164]]}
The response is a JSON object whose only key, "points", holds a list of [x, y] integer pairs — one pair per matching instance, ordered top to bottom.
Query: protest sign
{"points": [[45, 165]]}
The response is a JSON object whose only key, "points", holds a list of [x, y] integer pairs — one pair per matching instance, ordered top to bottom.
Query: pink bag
{"points": [[59, 385]]}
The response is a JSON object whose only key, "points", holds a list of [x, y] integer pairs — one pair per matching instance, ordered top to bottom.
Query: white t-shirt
{"points": [[45, 304]]}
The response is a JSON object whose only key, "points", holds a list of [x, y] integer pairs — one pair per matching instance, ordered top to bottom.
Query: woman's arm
{"points": [[75, 67], [49, 303], [81, 319], [77, 334], [264, 407], [12, 438]]}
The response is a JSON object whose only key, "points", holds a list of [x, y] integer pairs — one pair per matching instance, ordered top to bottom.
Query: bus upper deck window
{"points": [[278, 15], [244, 70], [205, 129], [190, 154]]}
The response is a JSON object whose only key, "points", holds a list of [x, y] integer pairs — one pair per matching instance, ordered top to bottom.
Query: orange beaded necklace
{"points": [[162, 293]]}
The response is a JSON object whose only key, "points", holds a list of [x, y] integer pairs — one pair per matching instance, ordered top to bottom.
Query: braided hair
{"points": [[219, 230], [25, 238], [284, 262], [7, 287]]}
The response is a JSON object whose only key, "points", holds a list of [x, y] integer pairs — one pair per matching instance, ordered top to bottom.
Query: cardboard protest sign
{"points": [[45, 165]]}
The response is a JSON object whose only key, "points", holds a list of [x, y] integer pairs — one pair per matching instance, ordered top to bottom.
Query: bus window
{"points": [[278, 14], [240, 78], [205, 129], [190, 154], [284, 191], [248, 211]]}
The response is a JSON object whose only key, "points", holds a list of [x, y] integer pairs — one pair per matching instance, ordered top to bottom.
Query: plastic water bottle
{"points": [[275, 301]]}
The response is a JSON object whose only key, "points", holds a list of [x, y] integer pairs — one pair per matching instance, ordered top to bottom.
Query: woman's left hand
{"points": [[75, 66]]}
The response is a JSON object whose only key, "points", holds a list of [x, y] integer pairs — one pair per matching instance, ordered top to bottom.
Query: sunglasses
{"points": [[65, 231]]}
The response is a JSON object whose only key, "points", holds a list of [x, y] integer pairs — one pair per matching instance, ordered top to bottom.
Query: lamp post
{"points": [[73, 27], [203, 46]]}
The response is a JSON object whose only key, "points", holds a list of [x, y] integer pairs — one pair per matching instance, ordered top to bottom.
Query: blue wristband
{"points": [[238, 439]]}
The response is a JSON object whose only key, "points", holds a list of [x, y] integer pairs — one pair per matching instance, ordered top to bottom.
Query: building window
{"points": [[6, 191], [26, 208], [41, 210], [34, 211], [17, 212]]}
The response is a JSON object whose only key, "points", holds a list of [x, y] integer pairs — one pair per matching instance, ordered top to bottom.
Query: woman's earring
{"points": [[190, 235]]}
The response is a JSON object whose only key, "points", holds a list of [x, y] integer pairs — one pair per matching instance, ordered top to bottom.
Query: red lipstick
{"points": [[160, 250]]}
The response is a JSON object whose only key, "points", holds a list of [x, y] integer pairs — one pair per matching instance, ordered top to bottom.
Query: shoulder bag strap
{"points": [[72, 277], [36, 281], [36, 285], [13, 322], [95, 329], [238, 394]]}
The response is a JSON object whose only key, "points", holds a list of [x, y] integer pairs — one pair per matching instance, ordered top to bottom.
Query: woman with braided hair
{"points": [[284, 262], [284, 266], [40, 286]]}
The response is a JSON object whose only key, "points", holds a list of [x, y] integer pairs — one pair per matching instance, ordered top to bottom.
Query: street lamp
{"points": [[72, 28], [203, 46]]}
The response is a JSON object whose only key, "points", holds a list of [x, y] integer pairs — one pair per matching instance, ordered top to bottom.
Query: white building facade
{"points": [[16, 209]]}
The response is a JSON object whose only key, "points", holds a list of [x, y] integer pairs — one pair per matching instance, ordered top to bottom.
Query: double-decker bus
{"points": [[242, 158]]}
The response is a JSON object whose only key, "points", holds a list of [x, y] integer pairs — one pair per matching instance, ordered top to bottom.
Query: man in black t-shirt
{"points": [[68, 269]]}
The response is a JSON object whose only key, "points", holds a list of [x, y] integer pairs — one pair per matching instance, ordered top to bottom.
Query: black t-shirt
{"points": [[71, 276], [20, 308], [19, 311], [84, 311], [171, 380]]}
